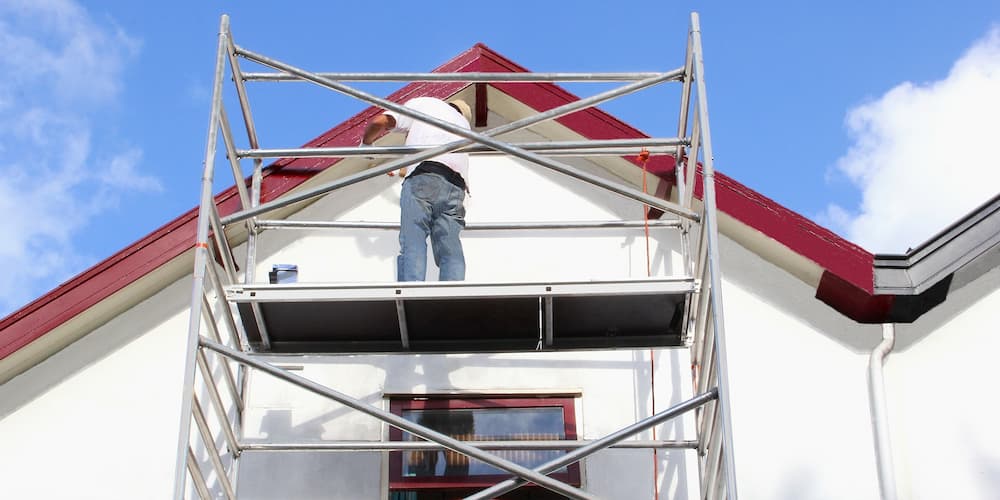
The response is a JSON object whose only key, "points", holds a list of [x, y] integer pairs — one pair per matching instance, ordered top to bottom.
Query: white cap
{"points": [[464, 108]]}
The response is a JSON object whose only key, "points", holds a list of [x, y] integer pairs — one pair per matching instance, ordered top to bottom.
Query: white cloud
{"points": [[55, 43], [61, 68], [924, 155]]}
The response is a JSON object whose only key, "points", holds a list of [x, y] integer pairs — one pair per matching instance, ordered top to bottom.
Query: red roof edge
{"points": [[852, 263], [847, 265], [859, 305]]}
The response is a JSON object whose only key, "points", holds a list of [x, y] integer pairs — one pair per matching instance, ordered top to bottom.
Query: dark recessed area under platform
{"points": [[462, 316]]}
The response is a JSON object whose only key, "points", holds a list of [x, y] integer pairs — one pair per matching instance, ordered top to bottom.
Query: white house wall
{"points": [[798, 376], [943, 404], [99, 419]]}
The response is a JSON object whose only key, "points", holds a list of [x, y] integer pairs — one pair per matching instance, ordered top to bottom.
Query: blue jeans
{"points": [[430, 206]]}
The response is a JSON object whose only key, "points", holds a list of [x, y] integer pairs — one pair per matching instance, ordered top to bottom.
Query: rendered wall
{"points": [[798, 377], [943, 405], [100, 419]]}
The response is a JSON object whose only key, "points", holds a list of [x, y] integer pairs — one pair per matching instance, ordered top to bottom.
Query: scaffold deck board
{"points": [[464, 316]]}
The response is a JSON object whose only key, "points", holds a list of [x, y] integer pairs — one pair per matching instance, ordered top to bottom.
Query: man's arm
{"points": [[375, 127]]}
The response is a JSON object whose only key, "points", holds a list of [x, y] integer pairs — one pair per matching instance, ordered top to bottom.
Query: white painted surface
{"points": [[943, 403], [800, 406], [99, 419]]}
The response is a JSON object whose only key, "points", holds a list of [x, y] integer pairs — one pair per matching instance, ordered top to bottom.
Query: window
{"points": [[444, 474]]}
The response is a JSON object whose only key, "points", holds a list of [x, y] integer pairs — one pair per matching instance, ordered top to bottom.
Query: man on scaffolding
{"points": [[432, 202]]}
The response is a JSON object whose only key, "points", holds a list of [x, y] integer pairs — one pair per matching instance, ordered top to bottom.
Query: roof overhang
{"points": [[908, 285]]}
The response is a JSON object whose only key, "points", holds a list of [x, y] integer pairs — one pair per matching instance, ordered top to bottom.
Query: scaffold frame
{"points": [[213, 355]]}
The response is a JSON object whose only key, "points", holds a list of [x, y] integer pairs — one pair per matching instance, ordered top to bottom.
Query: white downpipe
{"points": [[880, 418]]}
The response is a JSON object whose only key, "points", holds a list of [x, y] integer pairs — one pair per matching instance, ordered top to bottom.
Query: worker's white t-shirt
{"points": [[425, 134]]}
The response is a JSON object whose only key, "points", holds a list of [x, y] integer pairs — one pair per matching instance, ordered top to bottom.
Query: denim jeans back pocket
{"points": [[425, 187]]}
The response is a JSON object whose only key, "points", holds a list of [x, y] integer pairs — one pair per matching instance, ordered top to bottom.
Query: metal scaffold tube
{"points": [[471, 76], [609, 147], [258, 163], [472, 226], [200, 263], [715, 270], [483, 445]]}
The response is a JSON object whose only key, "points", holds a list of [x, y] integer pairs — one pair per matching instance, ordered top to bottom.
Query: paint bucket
{"points": [[283, 273]]}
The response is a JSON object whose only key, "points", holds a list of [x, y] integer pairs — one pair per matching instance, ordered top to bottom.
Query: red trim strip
{"points": [[481, 105], [841, 295]]}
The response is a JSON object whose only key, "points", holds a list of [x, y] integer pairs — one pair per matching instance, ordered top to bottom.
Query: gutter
{"points": [[905, 286]]}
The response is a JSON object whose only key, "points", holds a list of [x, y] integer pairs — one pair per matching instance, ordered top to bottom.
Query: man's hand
{"points": [[374, 128]]}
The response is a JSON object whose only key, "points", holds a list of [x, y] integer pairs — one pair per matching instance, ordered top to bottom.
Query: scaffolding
{"points": [[218, 358]]}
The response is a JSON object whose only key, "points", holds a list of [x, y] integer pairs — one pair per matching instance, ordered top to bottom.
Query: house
{"points": [[94, 396]]}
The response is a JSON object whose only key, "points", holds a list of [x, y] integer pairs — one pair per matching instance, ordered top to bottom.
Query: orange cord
{"points": [[644, 158]]}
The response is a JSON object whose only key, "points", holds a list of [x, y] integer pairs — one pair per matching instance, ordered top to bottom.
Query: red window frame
{"points": [[570, 475]]}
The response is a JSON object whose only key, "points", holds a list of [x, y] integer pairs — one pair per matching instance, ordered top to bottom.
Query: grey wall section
{"points": [[306, 476]]}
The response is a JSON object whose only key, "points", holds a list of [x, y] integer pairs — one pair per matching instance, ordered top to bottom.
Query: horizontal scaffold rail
{"points": [[460, 77], [608, 147], [471, 226], [299, 292], [553, 444]]}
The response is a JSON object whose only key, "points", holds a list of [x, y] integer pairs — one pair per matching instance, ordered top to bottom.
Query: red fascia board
{"points": [[853, 264], [104, 279], [848, 280], [99, 282], [853, 302]]}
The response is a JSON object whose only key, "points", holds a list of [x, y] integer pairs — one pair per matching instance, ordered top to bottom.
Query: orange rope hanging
{"points": [[644, 158]]}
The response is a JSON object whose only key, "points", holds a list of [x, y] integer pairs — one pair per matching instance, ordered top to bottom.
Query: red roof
{"points": [[847, 282]]}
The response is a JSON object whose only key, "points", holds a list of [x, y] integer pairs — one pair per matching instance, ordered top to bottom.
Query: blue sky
{"points": [[877, 119]]}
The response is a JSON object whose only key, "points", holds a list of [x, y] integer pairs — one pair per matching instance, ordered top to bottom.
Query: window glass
{"points": [[483, 424], [444, 474]]}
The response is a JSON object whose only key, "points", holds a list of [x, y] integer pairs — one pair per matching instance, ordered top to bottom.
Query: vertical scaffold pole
{"points": [[258, 163], [200, 262], [715, 271]]}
